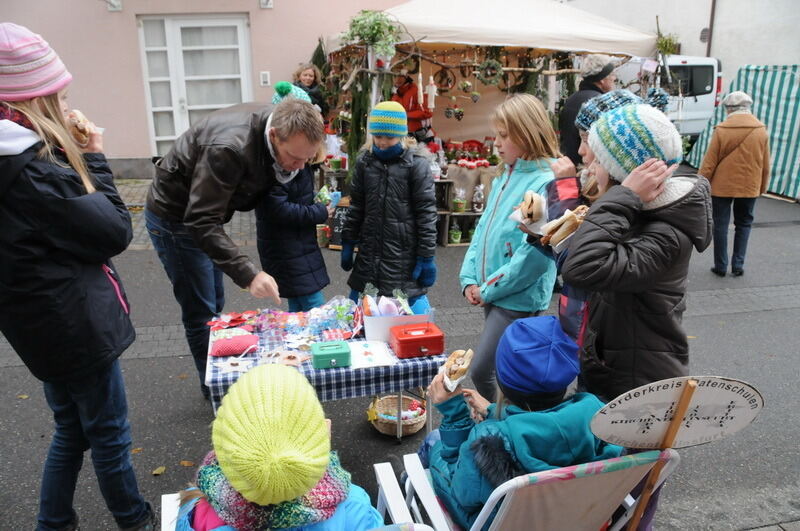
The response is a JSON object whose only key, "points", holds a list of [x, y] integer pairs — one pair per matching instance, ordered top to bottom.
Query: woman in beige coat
{"points": [[737, 164]]}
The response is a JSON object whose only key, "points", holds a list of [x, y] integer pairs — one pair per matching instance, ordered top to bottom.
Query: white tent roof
{"points": [[544, 24]]}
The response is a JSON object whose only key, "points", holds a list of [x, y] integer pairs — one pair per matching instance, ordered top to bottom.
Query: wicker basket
{"points": [[388, 406]]}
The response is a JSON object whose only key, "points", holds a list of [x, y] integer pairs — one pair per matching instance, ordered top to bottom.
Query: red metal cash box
{"points": [[414, 340]]}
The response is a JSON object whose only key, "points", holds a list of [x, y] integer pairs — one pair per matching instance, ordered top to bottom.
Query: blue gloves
{"points": [[347, 254], [424, 272]]}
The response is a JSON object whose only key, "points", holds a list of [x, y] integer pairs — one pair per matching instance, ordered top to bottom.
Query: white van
{"points": [[694, 86]]}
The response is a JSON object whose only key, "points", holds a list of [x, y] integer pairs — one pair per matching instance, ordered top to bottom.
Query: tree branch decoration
{"points": [[375, 29]]}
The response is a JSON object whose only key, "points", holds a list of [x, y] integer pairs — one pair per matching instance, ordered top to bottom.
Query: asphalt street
{"points": [[744, 328]]}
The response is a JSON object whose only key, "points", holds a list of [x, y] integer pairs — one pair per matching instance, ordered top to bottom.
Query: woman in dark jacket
{"points": [[309, 78], [392, 215], [287, 221], [62, 306]]}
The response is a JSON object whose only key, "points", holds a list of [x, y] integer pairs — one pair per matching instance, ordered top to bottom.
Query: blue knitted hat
{"points": [[284, 89], [658, 98], [592, 109], [625, 137], [534, 355]]}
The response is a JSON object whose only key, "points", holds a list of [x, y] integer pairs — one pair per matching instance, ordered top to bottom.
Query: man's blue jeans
{"points": [[742, 220], [196, 283], [90, 413]]}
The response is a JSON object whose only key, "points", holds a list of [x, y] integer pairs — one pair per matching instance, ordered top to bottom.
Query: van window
{"points": [[691, 80]]}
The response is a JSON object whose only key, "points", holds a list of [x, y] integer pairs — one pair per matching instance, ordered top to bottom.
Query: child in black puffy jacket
{"points": [[392, 215]]}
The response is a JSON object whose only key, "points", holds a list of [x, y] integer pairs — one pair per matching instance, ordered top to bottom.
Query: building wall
{"points": [[745, 32], [101, 49]]}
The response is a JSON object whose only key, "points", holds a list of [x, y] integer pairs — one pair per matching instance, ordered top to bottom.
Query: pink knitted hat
{"points": [[28, 66]]}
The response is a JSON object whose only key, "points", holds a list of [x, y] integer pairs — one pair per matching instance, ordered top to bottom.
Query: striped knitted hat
{"points": [[28, 66], [593, 108], [388, 118], [625, 137], [270, 435]]}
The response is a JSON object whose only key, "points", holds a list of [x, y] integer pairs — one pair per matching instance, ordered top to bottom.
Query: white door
{"points": [[192, 65]]}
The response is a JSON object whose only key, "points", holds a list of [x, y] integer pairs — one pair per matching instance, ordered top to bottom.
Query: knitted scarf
{"points": [[7, 113], [317, 505]]}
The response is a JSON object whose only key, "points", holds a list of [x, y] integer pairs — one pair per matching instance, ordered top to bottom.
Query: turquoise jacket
{"points": [[511, 273], [531, 441], [355, 513]]}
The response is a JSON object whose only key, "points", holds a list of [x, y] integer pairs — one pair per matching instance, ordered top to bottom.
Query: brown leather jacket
{"points": [[220, 165]]}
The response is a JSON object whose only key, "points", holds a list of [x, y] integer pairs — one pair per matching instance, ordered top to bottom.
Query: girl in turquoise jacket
{"points": [[501, 272], [535, 426]]}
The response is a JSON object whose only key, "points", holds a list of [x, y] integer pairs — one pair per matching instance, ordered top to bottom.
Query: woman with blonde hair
{"points": [[309, 78], [501, 273], [62, 306]]}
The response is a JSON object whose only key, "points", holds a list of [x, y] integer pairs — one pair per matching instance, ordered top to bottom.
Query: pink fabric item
{"points": [[29, 67], [234, 346], [205, 518]]}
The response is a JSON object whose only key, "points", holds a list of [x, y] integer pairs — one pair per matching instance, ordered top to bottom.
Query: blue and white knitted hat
{"points": [[284, 89], [592, 109], [626, 137]]}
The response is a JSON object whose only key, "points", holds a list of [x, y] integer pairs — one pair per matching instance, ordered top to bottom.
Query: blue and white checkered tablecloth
{"points": [[339, 383]]}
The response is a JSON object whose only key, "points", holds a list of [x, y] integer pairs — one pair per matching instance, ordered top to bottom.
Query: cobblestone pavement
{"points": [[241, 228]]}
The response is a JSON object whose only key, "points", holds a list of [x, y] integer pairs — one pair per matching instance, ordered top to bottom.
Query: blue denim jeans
{"points": [[742, 220], [196, 283], [306, 302], [90, 413]]}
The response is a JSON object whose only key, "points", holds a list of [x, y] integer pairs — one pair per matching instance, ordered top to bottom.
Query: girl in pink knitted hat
{"points": [[62, 306]]}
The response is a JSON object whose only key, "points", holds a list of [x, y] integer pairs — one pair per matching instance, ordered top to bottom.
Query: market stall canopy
{"points": [[542, 24]]}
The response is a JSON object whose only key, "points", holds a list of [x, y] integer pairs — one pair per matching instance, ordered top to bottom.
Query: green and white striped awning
{"points": [[776, 102]]}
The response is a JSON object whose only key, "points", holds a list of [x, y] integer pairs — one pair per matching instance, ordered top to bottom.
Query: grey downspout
{"points": [[711, 27]]}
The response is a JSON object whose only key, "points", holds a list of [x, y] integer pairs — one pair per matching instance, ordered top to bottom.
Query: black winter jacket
{"points": [[315, 93], [570, 140], [392, 216], [287, 221], [636, 262], [62, 306]]}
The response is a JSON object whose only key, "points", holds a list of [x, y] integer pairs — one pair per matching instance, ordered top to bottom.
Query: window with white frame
{"points": [[192, 65]]}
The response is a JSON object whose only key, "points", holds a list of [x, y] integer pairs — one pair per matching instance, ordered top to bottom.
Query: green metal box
{"points": [[330, 354]]}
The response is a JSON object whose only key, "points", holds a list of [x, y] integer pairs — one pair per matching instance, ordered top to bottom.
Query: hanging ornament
{"points": [[490, 72], [445, 80], [465, 86], [431, 92], [475, 96], [448, 112], [458, 112]]}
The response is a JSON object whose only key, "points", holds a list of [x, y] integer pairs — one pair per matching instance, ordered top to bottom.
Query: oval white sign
{"points": [[639, 418]]}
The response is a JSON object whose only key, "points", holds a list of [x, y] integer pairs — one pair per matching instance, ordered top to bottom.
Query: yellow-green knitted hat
{"points": [[388, 118], [270, 435]]}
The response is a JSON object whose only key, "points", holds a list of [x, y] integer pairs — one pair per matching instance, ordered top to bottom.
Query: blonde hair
{"points": [[307, 66], [44, 112], [292, 116], [525, 120]]}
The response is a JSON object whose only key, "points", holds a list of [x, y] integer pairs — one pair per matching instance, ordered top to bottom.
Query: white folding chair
{"points": [[579, 497], [169, 511]]}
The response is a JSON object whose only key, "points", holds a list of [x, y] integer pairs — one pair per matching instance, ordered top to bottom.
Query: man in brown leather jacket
{"points": [[224, 163]]}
